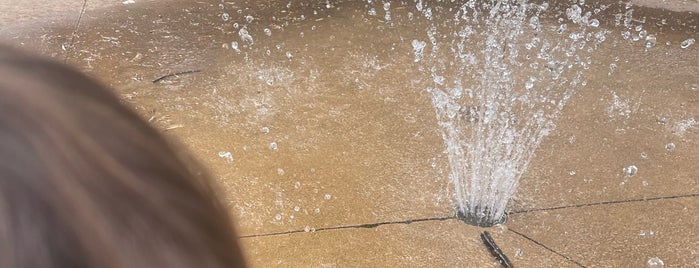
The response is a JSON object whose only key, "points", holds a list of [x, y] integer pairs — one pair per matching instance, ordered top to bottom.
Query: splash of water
{"points": [[500, 79]]}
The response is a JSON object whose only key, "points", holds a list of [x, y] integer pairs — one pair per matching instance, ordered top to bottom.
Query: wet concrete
{"points": [[336, 156]]}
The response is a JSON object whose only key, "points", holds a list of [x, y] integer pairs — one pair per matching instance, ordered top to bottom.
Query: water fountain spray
{"points": [[500, 79]]}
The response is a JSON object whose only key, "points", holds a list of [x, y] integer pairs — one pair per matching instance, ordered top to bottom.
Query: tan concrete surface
{"points": [[674, 5], [50, 27], [329, 128], [597, 139], [323, 165], [619, 235], [448, 243]]}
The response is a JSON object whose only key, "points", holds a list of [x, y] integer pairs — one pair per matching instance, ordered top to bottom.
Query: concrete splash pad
{"points": [[336, 159]]}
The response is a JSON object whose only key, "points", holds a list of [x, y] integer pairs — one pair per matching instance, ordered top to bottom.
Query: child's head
{"points": [[85, 182]]}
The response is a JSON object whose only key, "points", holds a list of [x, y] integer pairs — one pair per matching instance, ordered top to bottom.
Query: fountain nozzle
{"points": [[479, 220]]}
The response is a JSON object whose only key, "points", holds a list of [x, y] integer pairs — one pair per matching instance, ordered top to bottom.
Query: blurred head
{"points": [[85, 182]]}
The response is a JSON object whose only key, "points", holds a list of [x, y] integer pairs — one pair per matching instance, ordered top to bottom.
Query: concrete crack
{"points": [[75, 30], [174, 74], [613, 202], [354, 226], [546, 247]]}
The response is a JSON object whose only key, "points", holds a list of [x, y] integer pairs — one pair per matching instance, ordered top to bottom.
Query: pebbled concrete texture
{"points": [[672, 5], [47, 27], [335, 156], [619, 235], [448, 243]]}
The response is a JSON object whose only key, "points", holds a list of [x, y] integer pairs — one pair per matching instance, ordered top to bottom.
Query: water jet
{"points": [[495, 104]]}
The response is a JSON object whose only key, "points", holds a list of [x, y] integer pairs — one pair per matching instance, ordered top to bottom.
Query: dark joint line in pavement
{"points": [[76, 29], [174, 74], [613, 202], [355, 226], [547, 248]]}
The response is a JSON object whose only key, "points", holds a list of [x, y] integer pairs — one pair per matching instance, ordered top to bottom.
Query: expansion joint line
{"points": [[75, 30], [174, 74], [613, 202], [589, 205], [354, 226], [546, 247]]}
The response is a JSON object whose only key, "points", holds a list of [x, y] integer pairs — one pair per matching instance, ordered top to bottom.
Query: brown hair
{"points": [[85, 182]]}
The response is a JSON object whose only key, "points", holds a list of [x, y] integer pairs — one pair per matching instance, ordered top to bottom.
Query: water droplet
{"points": [[372, 12], [428, 13], [574, 13], [225, 16], [249, 18], [534, 22], [593, 23], [562, 28], [268, 32], [642, 34], [625, 35], [245, 36], [600, 36], [635, 37], [650, 41], [686, 43], [234, 46], [418, 47], [289, 55], [612, 67], [529, 85], [264, 130], [273, 146], [670, 147], [227, 155], [644, 155], [280, 171], [630, 171], [572, 173], [645, 183], [297, 185], [328, 196], [297, 208], [317, 210], [278, 217], [307, 229], [519, 252], [655, 262]]}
